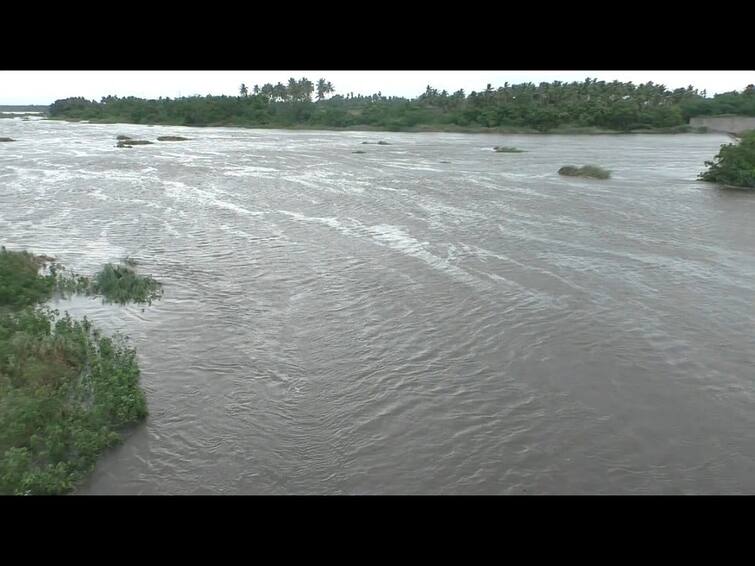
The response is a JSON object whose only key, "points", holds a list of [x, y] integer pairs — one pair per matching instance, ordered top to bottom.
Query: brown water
{"points": [[388, 323]]}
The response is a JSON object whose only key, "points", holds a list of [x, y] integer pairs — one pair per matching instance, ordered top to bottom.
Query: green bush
{"points": [[734, 165]]}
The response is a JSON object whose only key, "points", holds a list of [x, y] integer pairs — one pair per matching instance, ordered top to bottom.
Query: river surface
{"points": [[429, 317]]}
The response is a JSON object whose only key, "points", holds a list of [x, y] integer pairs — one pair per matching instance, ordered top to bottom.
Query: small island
{"points": [[590, 171]]}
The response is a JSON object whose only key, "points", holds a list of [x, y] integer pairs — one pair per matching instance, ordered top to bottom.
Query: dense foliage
{"points": [[590, 104], [734, 165], [65, 390]]}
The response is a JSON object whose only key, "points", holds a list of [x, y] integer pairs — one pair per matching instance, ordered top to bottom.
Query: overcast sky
{"points": [[44, 87]]}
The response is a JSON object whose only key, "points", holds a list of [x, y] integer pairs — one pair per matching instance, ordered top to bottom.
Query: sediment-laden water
{"points": [[388, 323]]}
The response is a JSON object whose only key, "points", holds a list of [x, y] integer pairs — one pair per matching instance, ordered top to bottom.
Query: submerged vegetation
{"points": [[580, 107], [506, 149], [734, 165], [586, 171], [114, 283], [121, 284], [66, 391]]}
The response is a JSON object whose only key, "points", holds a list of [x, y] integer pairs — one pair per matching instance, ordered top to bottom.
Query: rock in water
{"points": [[131, 143]]}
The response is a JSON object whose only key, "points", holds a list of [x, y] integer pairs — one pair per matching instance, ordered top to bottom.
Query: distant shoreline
{"points": [[685, 129]]}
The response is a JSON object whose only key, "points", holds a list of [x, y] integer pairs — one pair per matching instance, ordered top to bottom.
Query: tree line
{"points": [[544, 107]]}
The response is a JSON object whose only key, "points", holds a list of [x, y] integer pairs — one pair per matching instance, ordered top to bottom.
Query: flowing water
{"points": [[429, 317]]}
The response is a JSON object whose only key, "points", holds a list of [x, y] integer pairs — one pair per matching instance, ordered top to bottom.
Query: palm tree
{"points": [[321, 86], [306, 88], [293, 89], [268, 90], [280, 92]]}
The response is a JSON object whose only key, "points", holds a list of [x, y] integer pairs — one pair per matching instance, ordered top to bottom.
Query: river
{"points": [[429, 317]]}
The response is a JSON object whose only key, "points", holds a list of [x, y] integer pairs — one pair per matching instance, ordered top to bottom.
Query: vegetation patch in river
{"points": [[172, 138], [6, 139], [506, 149], [734, 165], [591, 171], [115, 283], [121, 284], [66, 391]]}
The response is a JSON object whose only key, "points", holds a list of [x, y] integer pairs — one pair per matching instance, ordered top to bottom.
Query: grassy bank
{"points": [[67, 392]]}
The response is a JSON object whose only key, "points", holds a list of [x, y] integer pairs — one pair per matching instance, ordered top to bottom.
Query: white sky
{"points": [[44, 87]]}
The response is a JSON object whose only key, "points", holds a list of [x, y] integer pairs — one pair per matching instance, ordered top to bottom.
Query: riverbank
{"points": [[564, 130], [67, 393]]}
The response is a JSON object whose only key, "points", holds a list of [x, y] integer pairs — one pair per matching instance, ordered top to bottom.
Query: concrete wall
{"points": [[728, 124]]}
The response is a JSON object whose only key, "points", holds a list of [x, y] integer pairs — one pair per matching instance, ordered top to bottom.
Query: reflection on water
{"points": [[389, 322]]}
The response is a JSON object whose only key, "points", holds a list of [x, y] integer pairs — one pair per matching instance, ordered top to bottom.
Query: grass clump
{"points": [[505, 149], [734, 165], [591, 171], [115, 283], [121, 284]]}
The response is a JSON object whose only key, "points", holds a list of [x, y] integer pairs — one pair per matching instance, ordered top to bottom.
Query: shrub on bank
{"points": [[734, 165], [66, 391]]}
